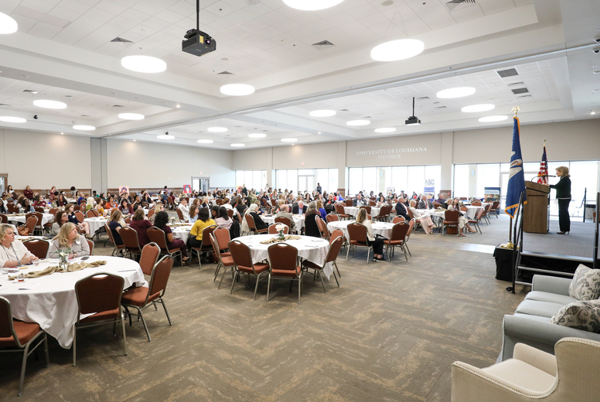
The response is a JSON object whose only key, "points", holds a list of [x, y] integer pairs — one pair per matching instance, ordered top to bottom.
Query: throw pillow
{"points": [[585, 284], [584, 315]]}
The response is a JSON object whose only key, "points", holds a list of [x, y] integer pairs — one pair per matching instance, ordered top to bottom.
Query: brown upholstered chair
{"points": [[349, 202], [372, 203], [476, 203], [436, 204], [76, 207], [12, 208], [367, 208], [495, 208], [39, 209], [53, 211], [91, 213], [150, 213], [230, 213], [341, 213], [486, 213], [180, 215], [382, 215], [80, 216], [3, 218], [332, 218], [398, 219], [250, 220], [450, 220], [285, 221], [475, 222], [30, 224], [322, 228], [273, 229], [159, 237], [223, 237], [358, 238], [398, 238], [131, 242], [91, 246], [206, 246], [39, 248], [334, 249], [118, 250], [149, 257], [242, 257], [225, 262], [283, 264], [100, 296], [142, 297], [20, 337]]}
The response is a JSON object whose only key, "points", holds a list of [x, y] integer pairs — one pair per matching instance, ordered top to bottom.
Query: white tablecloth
{"points": [[472, 210], [354, 211], [21, 219], [298, 221], [96, 223], [381, 228], [182, 232], [309, 248], [53, 303]]}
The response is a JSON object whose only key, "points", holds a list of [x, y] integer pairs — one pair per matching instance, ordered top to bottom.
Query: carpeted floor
{"points": [[389, 333]]}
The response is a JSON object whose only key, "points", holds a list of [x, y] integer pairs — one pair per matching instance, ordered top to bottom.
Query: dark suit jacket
{"points": [[358, 203], [423, 206], [296, 209], [401, 210]]}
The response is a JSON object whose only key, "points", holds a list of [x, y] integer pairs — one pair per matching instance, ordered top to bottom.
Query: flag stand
{"points": [[515, 110]]}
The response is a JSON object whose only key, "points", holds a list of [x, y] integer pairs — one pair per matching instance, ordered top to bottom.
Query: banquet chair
{"points": [[171, 202], [348, 202], [372, 203], [476, 203], [265, 204], [436, 205], [76, 207], [12, 208], [367, 208], [495, 208], [39, 209], [53, 211], [91, 213], [150, 213], [230, 213], [341, 213], [486, 213], [180, 215], [80, 216], [381, 216], [3, 218], [332, 218], [398, 219], [250, 220], [285, 221], [450, 221], [475, 222], [30, 224], [411, 226], [322, 228], [273, 230], [357, 233], [334, 235], [159, 237], [223, 238], [398, 238], [131, 242], [90, 246], [206, 246], [39, 248], [118, 250], [332, 254], [149, 257], [242, 257], [225, 262], [283, 264], [100, 296], [142, 297], [20, 337], [533, 375]]}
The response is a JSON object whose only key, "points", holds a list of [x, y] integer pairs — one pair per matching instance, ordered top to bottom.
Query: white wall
{"points": [[43, 160], [142, 164]]}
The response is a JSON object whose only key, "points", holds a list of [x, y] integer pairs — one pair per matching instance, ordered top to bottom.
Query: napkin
{"points": [[274, 240], [77, 266]]}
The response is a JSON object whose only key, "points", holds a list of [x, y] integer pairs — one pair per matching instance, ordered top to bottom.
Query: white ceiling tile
{"points": [[37, 5], [111, 6], [222, 9], [43, 30]]}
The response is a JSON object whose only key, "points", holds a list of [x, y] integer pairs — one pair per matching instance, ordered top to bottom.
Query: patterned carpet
{"points": [[389, 333]]}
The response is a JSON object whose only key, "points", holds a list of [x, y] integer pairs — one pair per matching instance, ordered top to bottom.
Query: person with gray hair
{"points": [[300, 209], [285, 213], [311, 227], [13, 252]]}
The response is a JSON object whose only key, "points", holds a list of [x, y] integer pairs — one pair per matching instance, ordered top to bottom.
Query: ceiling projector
{"points": [[198, 43], [413, 119]]}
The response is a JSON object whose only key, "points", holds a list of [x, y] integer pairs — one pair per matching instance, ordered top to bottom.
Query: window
{"points": [[400, 178], [253, 179], [306, 179]]}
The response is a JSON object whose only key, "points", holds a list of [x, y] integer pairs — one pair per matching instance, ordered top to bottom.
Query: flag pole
{"points": [[515, 110]]}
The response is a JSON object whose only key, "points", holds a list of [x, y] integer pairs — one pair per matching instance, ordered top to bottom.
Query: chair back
{"points": [[170, 200], [219, 201], [348, 202], [476, 203], [436, 205], [495, 205], [76, 207], [367, 208], [13, 209], [39, 209], [339, 209], [464, 209], [53, 211], [91, 213], [150, 213], [230, 213], [479, 214], [180, 215], [451, 216], [80, 217], [3, 218], [332, 218], [398, 219], [284, 220], [250, 221], [31, 223], [411, 225], [322, 227], [273, 230], [399, 231], [357, 232], [335, 234], [205, 235], [221, 235], [157, 236], [130, 239], [215, 245], [90, 246], [39, 248], [334, 248], [149, 256], [242, 257], [283, 257], [160, 276], [98, 292], [7, 328]]}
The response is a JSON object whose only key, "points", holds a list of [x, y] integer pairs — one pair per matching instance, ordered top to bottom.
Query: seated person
{"points": [[38, 201], [358, 201], [425, 203], [126, 207], [299, 208], [70, 210], [185, 210], [285, 213], [422, 217], [162, 218], [60, 219], [204, 220], [223, 220], [115, 224], [140, 224], [311, 228], [69, 237], [372, 240], [15, 253]]}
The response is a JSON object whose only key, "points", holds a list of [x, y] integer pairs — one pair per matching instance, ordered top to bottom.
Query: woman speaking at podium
{"points": [[563, 195]]}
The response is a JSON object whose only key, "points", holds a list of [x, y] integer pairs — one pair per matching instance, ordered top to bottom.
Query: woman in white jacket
{"points": [[423, 218]]}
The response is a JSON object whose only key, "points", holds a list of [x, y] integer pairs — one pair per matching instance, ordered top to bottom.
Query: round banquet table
{"points": [[472, 210], [354, 211], [20, 218], [298, 221], [96, 223], [381, 228], [181, 232], [309, 248], [51, 301]]}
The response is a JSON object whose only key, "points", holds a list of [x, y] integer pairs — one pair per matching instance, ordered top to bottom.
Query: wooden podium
{"points": [[535, 212]]}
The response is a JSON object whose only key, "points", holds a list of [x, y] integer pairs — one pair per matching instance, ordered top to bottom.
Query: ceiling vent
{"points": [[452, 4], [118, 39], [323, 43], [511, 72], [224, 73], [512, 84], [29, 91], [520, 91], [524, 96], [423, 98], [118, 106], [440, 107], [343, 110]]}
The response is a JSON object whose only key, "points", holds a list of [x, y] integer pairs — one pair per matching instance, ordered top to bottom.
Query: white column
{"points": [[446, 159]]}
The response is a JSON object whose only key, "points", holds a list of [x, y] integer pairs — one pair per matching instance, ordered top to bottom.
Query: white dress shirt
{"points": [[185, 211], [15, 252]]}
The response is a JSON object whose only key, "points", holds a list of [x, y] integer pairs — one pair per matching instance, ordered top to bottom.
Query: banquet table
{"points": [[472, 210], [354, 211], [20, 218], [298, 221], [96, 223], [381, 228], [181, 232], [309, 248], [51, 301]]}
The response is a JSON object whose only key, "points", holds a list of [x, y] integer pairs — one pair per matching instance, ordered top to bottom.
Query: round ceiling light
{"points": [[311, 5], [7, 24], [397, 50], [143, 64], [237, 89], [459, 92], [49, 104], [478, 108], [322, 113], [131, 116], [12, 119], [491, 119], [358, 122], [83, 127], [217, 129], [385, 130], [257, 135], [165, 136], [289, 140], [205, 141], [238, 145]]}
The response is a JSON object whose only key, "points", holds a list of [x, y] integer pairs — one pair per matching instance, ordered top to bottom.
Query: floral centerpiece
{"points": [[172, 220], [280, 227], [63, 257]]}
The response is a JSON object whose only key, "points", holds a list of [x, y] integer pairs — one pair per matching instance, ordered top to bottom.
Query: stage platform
{"points": [[577, 245]]}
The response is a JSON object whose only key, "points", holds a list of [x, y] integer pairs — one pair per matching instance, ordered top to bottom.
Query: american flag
{"points": [[543, 173]]}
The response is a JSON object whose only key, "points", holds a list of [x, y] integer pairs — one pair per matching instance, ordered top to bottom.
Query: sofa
{"points": [[530, 323]]}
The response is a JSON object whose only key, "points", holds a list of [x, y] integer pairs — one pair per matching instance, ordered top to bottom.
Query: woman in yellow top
{"points": [[203, 221]]}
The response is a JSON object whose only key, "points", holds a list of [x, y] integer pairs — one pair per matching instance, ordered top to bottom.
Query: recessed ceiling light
{"points": [[311, 5], [7, 24], [397, 50], [144, 64], [237, 89], [458, 92], [49, 104], [178, 105], [478, 108], [592, 112], [322, 113], [131, 116], [12, 119], [491, 119], [358, 122], [83, 127], [217, 129], [385, 130], [62, 133], [319, 133], [257, 135], [165, 136], [134, 140], [289, 140], [205, 141], [238, 145]]}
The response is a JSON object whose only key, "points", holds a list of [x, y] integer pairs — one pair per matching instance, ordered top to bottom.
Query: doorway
{"points": [[3, 182], [306, 183], [200, 184]]}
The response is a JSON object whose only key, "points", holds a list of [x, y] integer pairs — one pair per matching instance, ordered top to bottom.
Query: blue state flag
{"points": [[516, 178]]}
